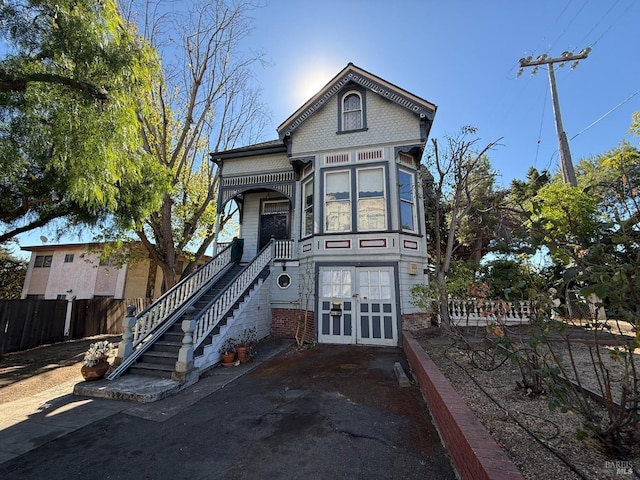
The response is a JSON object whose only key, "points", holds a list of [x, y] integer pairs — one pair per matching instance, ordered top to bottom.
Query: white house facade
{"points": [[340, 194]]}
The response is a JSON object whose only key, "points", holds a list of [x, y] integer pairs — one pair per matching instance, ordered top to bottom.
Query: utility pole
{"points": [[568, 173]]}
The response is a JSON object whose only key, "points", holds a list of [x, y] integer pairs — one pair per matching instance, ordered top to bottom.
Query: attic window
{"points": [[352, 112], [352, 115]]}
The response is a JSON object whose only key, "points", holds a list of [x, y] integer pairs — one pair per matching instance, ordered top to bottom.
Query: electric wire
{"points": [[631, 4], [597, 25], [567, 27], [544, 108], [606, 114]]}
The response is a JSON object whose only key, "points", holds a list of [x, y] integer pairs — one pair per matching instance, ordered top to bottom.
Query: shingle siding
{"points": [[386, 123]]}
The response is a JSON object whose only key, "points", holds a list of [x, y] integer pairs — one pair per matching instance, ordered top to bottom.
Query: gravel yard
{"points": [[542, 443]]}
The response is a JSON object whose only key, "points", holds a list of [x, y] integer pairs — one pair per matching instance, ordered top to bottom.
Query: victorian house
{"points": [[331, 227]]}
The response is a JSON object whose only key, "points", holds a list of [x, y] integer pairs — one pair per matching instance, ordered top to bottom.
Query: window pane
{"points": [[352, 102], [352, 121], [370, 183], [337, 186], [406, 191], [371, 201], [337, 202], [308, 208], [371, 214], [406, 216], [47, 260]]}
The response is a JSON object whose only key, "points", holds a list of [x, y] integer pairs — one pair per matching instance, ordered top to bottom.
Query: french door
{"points": [[357, 305]]}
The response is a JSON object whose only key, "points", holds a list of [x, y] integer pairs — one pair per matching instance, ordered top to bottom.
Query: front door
{"points": [[274, 222], [357, 305]]}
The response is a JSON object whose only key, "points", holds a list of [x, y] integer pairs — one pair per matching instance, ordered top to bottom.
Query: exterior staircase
{"points": [[154, 342], [160, 358]]}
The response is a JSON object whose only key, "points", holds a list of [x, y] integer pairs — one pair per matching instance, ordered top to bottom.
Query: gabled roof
{"points": [[377, 85]]}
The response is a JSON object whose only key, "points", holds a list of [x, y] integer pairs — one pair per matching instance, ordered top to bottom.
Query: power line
{"points": [[606, 114]]}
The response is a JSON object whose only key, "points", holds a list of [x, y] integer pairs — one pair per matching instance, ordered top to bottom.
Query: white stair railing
{"points": [[217, 309], [149, 319]]}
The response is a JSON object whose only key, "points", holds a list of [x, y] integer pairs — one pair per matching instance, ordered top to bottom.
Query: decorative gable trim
{"points": [[356, 75]]}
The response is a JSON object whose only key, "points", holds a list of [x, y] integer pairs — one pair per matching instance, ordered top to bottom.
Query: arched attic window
{"points": [[352, 118]]}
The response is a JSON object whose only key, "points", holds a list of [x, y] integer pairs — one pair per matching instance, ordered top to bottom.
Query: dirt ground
{"points": [[32, 371], [542, 442]]}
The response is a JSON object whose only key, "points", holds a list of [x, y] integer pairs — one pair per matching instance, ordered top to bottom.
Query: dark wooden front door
{"points": [[274, 225]]}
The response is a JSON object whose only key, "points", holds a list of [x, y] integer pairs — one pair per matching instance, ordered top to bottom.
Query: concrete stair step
{"points": [[160, 357], [152, 369]]}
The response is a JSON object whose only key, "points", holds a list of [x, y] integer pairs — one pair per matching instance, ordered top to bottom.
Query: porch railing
{"points": [[283, 249], [173, 299], [219, 307], [463, 312]]}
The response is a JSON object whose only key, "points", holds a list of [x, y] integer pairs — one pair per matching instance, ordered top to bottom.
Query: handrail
{"points": [[198, 280], [216, 310], [149, 319]]}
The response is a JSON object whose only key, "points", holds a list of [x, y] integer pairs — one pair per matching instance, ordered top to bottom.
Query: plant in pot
{"points": [[244, 347], [228, 352], [95, 364]]}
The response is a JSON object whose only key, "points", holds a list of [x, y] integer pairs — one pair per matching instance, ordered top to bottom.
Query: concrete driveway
{"points": [[326, 412]]}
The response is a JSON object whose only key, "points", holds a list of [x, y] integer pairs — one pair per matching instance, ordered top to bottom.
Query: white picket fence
{"points": [[479, 313]]}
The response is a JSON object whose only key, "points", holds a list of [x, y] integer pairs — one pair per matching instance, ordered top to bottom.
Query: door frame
{"points": [[355, 265]]}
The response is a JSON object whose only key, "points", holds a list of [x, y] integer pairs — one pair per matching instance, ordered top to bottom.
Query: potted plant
{"points": [[244, 348], [228, 352], [95, 363]]}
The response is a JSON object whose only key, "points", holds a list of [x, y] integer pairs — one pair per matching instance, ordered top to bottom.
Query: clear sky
{"points": [[462, 55]]}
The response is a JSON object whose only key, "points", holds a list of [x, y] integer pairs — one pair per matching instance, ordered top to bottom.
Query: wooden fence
{"points": [[28, 323]]}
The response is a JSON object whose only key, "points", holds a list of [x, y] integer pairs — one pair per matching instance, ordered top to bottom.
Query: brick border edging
{"points": [[474, 452]]}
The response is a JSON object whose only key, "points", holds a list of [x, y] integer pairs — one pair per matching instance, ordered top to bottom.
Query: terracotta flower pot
{"points": [[244, 353], [228, 359], [95, 372]]}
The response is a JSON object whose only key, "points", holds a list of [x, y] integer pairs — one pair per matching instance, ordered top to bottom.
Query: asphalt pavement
{"points": [[325, 412]]}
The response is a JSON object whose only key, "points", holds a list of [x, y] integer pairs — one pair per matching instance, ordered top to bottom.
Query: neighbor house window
{"points": [[352, 112], [407, 192], [337, 202], [307, 208], [372, 213], [68, 258], [43, 261]]}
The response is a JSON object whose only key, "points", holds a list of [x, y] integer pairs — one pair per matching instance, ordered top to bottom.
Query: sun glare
{"points": [[311, 80]]}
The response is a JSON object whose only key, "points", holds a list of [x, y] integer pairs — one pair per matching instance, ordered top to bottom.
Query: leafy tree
{"points": [[70, 85], [202, 102], [458, 172], [12, 274]]}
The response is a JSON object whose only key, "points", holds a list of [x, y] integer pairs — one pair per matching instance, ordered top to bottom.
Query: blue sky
{"points": [[462, 55]]}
